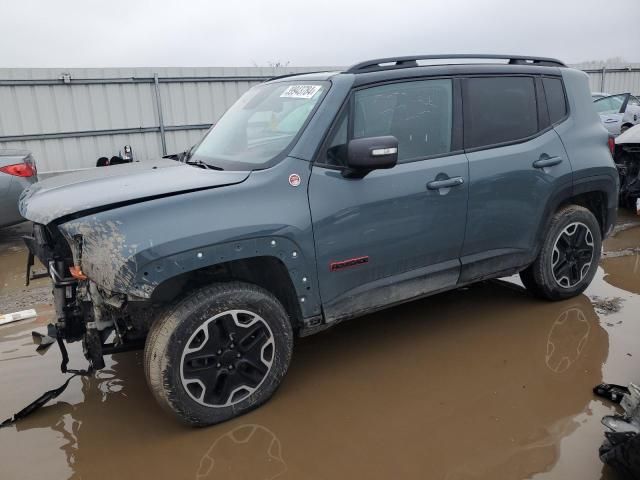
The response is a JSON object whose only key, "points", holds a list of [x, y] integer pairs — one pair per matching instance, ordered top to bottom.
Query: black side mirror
{"points": [[371, 153]]}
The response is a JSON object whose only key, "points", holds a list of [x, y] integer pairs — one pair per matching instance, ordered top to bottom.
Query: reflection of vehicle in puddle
{"points": [[567, 338], [568, 341], [493, 352], [244, 452]]}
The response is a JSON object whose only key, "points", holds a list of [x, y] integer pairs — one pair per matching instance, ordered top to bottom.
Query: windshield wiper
{"points": [[186, 155], [201, 164]]}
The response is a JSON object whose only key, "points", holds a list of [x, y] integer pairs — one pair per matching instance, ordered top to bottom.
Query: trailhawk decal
{"points": [[352, 262]]}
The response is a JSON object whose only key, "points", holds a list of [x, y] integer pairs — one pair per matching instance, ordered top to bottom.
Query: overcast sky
{"points": [[112, 33]]}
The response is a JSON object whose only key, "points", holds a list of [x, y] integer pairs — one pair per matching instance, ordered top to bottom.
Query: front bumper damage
{"points": [[627, 161], [83, 311]]}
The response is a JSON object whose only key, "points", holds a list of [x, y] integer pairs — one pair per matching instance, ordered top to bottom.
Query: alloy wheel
{"points": [[572, 255], [227, 358]]}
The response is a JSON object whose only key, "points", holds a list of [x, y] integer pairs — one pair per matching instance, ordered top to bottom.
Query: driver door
{"points": [[392, 235]]}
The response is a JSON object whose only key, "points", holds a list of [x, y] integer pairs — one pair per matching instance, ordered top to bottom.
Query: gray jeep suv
{"points": [[318, 198]]}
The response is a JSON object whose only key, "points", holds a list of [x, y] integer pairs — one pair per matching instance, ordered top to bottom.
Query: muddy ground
{"points": [[480, 383]]}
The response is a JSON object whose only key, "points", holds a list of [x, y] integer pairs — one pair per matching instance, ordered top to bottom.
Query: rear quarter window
{"points": [[556, 101], [498, 110]]}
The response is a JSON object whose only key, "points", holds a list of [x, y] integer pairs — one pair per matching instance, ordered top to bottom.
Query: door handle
{"points": [[545, 161], [446, 183]]}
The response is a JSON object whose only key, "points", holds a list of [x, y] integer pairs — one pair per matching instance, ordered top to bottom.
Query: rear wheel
{"points": [[569, 257], [218, 353]]}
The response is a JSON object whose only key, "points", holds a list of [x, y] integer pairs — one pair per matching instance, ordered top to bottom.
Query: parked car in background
{"points": [[598, 95], [618, 112], [627, 157], [17, 172], [318, 198]]}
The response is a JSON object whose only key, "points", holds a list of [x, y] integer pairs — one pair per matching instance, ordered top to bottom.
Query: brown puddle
{"points": [[481, 383]]}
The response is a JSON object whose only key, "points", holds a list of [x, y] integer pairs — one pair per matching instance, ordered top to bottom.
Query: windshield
{"points": [[611, 104], [260, 125]]}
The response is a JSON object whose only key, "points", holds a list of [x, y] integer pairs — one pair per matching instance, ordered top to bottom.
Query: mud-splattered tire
{"points": [[569, 256], [218, 353]]}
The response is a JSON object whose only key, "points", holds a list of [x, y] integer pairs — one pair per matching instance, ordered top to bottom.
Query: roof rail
{"points": [[412, 61]]}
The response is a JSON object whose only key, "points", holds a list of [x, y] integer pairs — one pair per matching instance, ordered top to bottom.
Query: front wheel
{"points": [[569, 257], [219, 353]]}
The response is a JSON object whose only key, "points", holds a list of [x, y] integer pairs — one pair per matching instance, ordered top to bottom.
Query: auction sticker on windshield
{"points": [[300, 91]]}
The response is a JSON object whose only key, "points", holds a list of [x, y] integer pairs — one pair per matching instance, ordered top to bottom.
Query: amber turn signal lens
{"points": [[76, 272]]}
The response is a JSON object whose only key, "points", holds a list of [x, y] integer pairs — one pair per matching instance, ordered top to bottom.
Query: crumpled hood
{"points": [[75, 192]]}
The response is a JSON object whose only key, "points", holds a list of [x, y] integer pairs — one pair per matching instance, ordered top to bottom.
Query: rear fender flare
{"points": [[597, 183]]}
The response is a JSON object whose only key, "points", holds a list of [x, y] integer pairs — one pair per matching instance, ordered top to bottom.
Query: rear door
{"points": [[516, 163], [389, 236]]}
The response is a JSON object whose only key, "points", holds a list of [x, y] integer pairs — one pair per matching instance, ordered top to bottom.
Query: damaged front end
{"points": [[627, 160], [628, 166], [84, 311]]}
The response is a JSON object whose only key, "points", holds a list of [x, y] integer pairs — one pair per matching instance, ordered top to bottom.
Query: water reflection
{"points": [[567, 337], [479, 383], [243, 452]]}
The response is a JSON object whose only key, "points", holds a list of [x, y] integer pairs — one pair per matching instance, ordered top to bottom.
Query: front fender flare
{"points": [[151, 274]]}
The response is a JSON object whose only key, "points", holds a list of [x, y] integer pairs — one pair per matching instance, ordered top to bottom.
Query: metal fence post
{"points": [[604, 73], [159, 108]]}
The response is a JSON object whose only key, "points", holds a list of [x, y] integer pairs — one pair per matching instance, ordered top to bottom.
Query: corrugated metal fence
{"points": [[615, 80], [69, 118]]}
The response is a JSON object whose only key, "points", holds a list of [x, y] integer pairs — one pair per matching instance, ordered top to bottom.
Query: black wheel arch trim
{"points": [[603, 183], [301, 271]]}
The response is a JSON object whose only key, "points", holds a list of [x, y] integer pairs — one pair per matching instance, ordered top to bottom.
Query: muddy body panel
{"points": [[133, 249], [128, 252]]}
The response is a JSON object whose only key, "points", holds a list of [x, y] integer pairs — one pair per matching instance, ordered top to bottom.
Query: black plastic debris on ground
{"points": [[621, 447]]}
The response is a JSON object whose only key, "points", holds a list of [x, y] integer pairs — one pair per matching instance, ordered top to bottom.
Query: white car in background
{"points": [[598, 95], [618, 112]]}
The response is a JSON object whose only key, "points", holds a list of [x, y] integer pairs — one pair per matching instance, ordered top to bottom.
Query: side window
{"points": [[633, 101], [556, 102], [611, 104], [498, 109], [419, 114]]}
